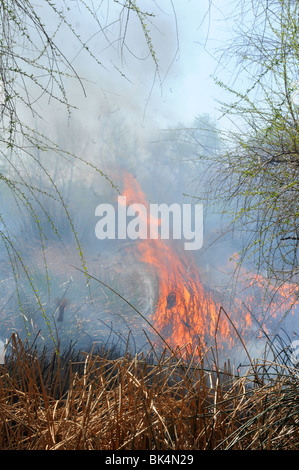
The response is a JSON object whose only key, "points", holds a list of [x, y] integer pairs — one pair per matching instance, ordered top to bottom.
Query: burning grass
{"points": [[172, 401]]}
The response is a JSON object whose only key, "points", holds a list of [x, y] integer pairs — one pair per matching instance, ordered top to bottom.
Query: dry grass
{"points": [[175, 401]]}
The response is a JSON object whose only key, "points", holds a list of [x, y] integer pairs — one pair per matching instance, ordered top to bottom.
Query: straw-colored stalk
{"points": [[130, 403]]}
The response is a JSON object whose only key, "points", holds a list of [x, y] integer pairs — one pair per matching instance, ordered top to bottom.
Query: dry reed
{"points": [[92, 401]]}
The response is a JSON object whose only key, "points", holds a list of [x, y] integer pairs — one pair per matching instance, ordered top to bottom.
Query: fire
{"points": [[262, 298], [185, 313]]}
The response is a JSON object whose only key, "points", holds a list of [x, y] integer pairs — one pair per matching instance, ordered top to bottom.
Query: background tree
{"points": [[255, 174]]}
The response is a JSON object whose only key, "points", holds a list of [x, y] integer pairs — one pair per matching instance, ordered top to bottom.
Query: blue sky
{"points": [[185, 43], [192, 89]]}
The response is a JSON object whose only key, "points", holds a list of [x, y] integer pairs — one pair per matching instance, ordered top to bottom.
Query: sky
{"points": [[185, 37], [191, 89]]}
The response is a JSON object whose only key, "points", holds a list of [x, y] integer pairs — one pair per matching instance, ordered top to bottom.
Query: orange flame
{"points": [[261, 295], [185, 313]]}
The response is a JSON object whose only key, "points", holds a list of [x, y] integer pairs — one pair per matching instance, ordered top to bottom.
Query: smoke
{"points": [[126, 117]]}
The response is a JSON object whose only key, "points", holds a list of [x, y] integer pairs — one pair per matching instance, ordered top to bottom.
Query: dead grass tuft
{"points": [[93, 401]]}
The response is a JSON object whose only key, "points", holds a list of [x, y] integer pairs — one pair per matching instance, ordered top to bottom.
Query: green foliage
{"points": [[35, 70], [257, 175]]}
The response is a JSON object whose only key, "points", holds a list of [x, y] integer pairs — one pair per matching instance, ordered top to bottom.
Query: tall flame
{"points": [[184, 312]]}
